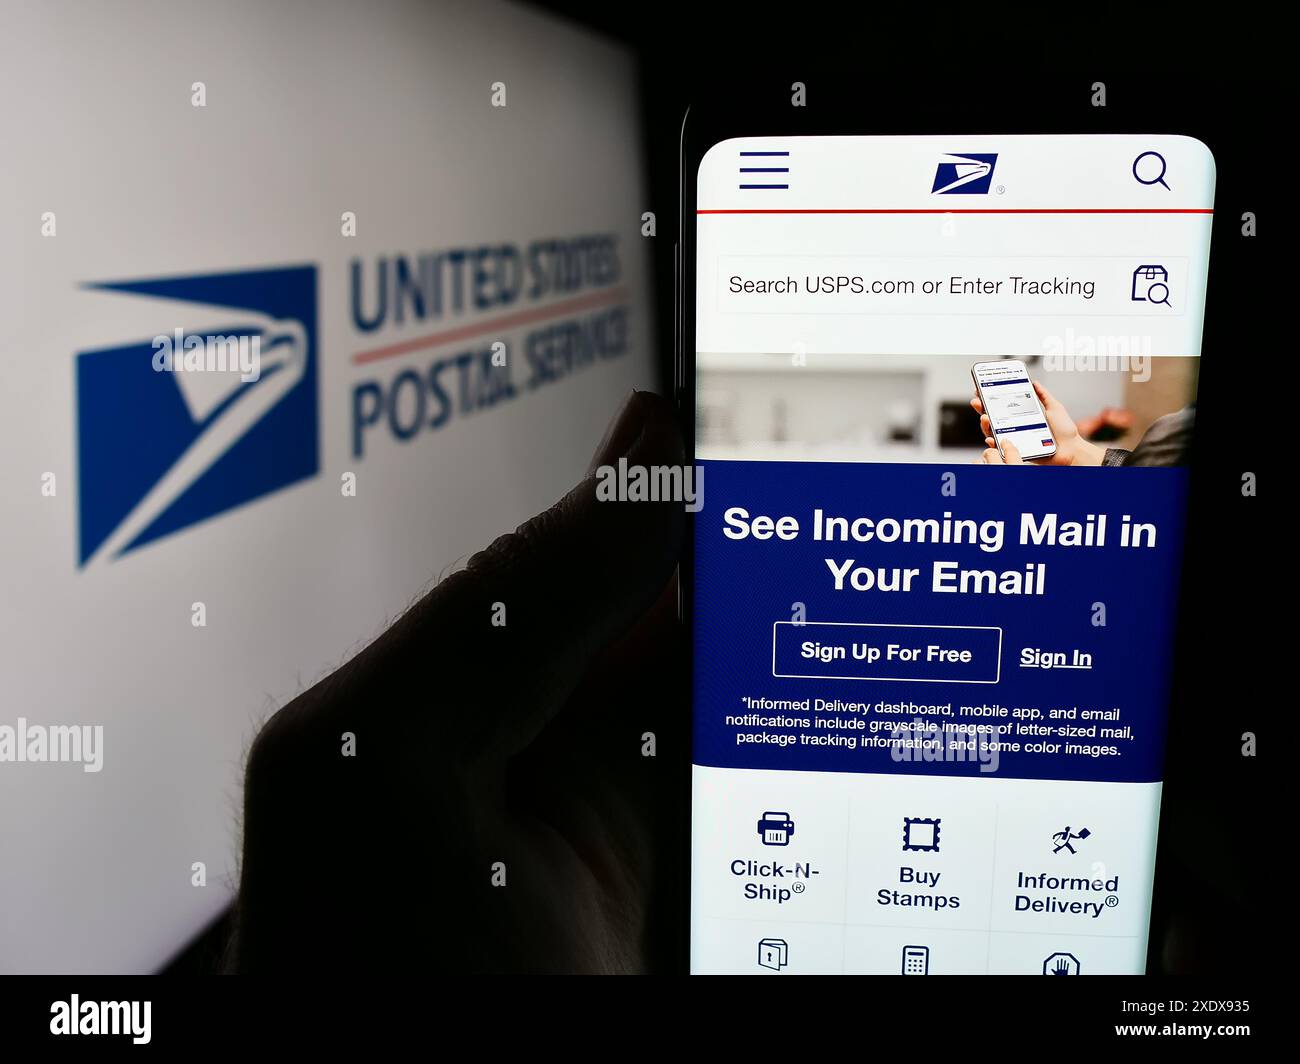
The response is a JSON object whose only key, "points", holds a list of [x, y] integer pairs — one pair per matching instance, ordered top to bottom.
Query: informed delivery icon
{"points": [[1064, 840]]}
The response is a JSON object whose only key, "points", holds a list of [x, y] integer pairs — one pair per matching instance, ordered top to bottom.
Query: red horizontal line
{"points": [[963, 210], [494, 325]]}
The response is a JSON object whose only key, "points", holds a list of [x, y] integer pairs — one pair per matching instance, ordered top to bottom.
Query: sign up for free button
{"points": [[920, 653]]}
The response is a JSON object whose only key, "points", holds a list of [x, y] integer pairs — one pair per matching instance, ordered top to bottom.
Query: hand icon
{"points": [[1061, 964]]}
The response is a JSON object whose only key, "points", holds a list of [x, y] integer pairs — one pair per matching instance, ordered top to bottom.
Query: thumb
{"points": [[1011, 454], [568, 582], [497, 647]]}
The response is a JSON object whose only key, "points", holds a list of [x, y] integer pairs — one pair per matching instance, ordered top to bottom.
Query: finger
{"points": [[1044, 395], [977, 404], [986, 425], [622, 431], [989, 441], [1011, 455], [991, 456], [566, 584], [495, 649]]}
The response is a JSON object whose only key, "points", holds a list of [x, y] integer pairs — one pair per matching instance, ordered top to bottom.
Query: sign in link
{"points": [[917, 653]]}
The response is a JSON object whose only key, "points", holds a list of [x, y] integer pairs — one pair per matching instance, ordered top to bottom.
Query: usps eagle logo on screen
{"points": [[968, 175], [161, 447]]}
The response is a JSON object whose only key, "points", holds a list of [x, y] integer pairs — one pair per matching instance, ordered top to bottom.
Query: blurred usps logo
{"points": [[969, 175], [216, 407]]}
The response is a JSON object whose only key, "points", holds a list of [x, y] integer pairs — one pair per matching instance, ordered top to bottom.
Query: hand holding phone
{"points": [[1015, 415], [1071, 447]]}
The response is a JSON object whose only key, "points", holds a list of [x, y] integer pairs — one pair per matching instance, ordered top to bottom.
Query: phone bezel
{"points": [[1028, 103]]}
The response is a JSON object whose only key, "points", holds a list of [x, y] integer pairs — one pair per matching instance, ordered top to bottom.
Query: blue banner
{"points": [[936, 620]]}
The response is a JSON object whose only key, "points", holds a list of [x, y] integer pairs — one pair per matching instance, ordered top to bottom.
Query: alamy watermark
{"points": [[194, 353], [1104, 353], [636, 483], [922, 740], [72, 743], [76, 1017]]}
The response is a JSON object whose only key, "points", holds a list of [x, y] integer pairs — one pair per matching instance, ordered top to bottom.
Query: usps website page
{"points": [[931, 677]]}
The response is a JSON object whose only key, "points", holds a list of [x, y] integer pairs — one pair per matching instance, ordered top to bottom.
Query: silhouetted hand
{"points": [[478, 743]]}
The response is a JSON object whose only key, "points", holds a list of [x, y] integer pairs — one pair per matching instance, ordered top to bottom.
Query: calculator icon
{"points": [[775, 829], [916, 960]]}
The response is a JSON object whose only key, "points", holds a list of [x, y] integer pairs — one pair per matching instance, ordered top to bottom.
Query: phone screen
{"points": [[1015, 415], [930, 692]]}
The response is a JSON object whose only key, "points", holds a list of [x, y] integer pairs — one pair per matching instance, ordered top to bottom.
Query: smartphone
{"points": [[1015, 414], [929, 701]]}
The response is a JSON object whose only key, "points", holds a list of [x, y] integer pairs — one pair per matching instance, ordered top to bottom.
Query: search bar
{"points": [[1121, 286]]}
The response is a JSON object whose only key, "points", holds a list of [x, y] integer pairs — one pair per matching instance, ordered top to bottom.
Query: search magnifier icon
{"points": [[1149, 169], [1158, 293]]}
